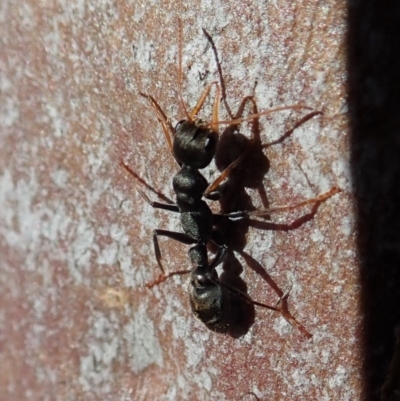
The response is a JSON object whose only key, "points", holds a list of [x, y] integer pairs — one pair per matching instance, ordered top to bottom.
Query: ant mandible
{"points": [[193, 144]]}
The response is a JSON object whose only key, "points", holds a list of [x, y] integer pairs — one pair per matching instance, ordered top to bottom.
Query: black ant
{"points": [[193, 144]]}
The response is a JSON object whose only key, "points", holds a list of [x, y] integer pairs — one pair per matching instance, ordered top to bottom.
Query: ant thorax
{"points": [[189, 185]]}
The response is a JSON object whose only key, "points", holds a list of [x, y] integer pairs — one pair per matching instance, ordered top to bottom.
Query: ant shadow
{"points": [[248, 174]]}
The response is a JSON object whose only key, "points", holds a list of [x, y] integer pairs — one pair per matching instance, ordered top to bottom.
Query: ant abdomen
{"points": [[210, 302]]}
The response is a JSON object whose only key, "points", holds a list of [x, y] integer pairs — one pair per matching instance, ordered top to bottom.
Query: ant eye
{"points": [[178, 124], [209, 142], [201, 279]]}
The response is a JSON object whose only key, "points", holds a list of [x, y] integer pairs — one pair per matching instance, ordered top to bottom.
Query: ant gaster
{"points": [[193, 144]]}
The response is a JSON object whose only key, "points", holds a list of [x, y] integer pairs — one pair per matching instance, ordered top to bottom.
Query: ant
{"points": [[193, 144]]}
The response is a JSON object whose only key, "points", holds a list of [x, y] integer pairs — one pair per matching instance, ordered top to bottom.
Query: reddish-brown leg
{"points": [[303, 120], [163, 277], [284, 309], [289, 317]]}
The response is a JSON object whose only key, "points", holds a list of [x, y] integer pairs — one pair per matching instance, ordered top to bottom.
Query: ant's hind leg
{"points": [[183, 238], [283, 297], [284, 310], [289, 317]]}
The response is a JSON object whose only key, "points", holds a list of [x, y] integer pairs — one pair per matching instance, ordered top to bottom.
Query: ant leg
{"points": [[237, 120], [166, 125], [214, 128], [225, 174], [215, 184], [319, 198], [158, 205], [171, 206], [263, 212], [183, 238], [219, 241], [199, 257], [219, 257], [244, 296], [284, 309], [289, 317], [251, 393]]}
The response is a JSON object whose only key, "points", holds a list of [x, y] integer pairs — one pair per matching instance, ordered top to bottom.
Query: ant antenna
{"points": [[180, 28], [221, 79]]}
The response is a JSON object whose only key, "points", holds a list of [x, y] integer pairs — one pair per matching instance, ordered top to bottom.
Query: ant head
{"points": [[194, 145], [210, 302]]}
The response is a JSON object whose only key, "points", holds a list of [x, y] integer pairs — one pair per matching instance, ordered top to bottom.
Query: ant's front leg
{"points": [[158, 205], [172, 207], [183, 238]]}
